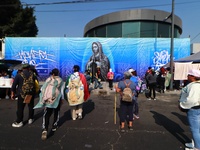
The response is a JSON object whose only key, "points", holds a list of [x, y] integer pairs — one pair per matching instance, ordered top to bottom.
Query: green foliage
{"points": [[16, 21]]}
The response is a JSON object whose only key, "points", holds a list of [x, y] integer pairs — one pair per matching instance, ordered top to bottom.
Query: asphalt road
{"points": [[161, 126]]}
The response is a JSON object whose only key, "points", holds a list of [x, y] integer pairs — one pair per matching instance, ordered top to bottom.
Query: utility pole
{"points": [[172, 48]]}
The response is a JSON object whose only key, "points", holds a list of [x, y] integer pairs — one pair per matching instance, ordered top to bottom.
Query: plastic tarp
{"points": [[122, 53], [195, 58]]}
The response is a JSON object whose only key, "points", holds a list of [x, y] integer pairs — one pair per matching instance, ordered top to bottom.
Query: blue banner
{"points": [[120, 54]]}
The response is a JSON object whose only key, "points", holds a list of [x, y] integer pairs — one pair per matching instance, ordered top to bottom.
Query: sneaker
{"points": [[7, 97], [149, 99], [154, 99], [79, 116], [135, 116], [73, 118], [30, 121], [17, 125], [54, 128], [130, 128], [122, 129], [44, 135], [190, 145], [190, 148]]}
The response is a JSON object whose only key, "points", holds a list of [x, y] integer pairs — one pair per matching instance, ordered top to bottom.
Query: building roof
{"points": [[131, 15]]}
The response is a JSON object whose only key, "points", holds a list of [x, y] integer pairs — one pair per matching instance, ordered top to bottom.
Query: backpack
{"points": [[28, 86], [75, 93], [127, 94]]}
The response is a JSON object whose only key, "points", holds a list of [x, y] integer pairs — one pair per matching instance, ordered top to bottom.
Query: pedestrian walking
{"points": [[23, 88], [77, 92], [50, 99], [190, 103]]}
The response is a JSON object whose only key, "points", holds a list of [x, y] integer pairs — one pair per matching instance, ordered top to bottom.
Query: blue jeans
{"points": [[97, 84], [193, 116]]}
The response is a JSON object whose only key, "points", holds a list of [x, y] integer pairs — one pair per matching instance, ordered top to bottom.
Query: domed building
{"points": [[141, 23]]}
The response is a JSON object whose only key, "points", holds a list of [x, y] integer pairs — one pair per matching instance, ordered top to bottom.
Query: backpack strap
{"points": [[24, 77], [127, 85]]}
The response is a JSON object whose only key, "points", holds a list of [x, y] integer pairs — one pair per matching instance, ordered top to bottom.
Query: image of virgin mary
{"points": [[98, 59]]}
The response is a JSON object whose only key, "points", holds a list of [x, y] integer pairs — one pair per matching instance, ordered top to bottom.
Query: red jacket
{"points": [[110, 75], [86, 90]]}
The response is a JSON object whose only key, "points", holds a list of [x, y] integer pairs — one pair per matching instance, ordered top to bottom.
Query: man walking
{"points": [[19, 89]]}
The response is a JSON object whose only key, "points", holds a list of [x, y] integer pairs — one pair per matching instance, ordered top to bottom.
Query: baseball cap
{"points": [[26, 65], [131, 70], [194, 72]]}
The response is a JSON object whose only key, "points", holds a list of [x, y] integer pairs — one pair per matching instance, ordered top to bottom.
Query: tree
{"points": [[16, 21]]}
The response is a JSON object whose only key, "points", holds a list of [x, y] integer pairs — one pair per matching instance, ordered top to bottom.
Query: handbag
{"points": [[27, 99]]}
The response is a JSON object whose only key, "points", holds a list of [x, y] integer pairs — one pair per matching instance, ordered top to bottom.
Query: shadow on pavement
{"points": [[88, 107], [182, 118], [171, 126]]}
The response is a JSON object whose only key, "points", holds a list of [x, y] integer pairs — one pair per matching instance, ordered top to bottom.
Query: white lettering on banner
{"points": [[160, 59]]}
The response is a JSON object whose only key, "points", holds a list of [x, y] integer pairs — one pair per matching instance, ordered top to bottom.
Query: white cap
{"points": [[131, 70], [194, 72]]}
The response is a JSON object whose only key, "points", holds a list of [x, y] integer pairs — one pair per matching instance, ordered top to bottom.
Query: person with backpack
{"points": [[23, 88], [127, 90], [77, 92], [50, 99]]}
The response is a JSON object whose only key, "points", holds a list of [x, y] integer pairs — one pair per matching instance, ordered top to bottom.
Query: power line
{"points": [[89, 1], [74, 2], [147, 6], [195, 37]]}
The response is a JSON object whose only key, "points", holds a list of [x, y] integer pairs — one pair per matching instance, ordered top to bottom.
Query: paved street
{"points": [[161, 126]]}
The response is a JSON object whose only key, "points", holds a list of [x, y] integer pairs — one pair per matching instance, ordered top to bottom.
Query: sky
{"points": [[69, 18]]}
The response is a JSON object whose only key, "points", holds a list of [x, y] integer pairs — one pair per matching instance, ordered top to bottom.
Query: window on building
{"points": [[131, 29], [147, 29], [114, 30], [164, 30], [100, 32], [90, 33]]}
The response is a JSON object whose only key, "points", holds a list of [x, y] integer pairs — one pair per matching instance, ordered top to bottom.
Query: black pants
{"points": [[110, 83], [177, 84], [152, 88], [126, 108], [20, 109], [47, 114]]}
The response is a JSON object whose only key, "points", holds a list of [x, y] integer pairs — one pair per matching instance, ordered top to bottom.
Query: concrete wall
{"points": [[195, 47]]}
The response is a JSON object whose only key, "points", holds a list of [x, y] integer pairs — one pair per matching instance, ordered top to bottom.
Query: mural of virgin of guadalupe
{"points": [[98, 59]]}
